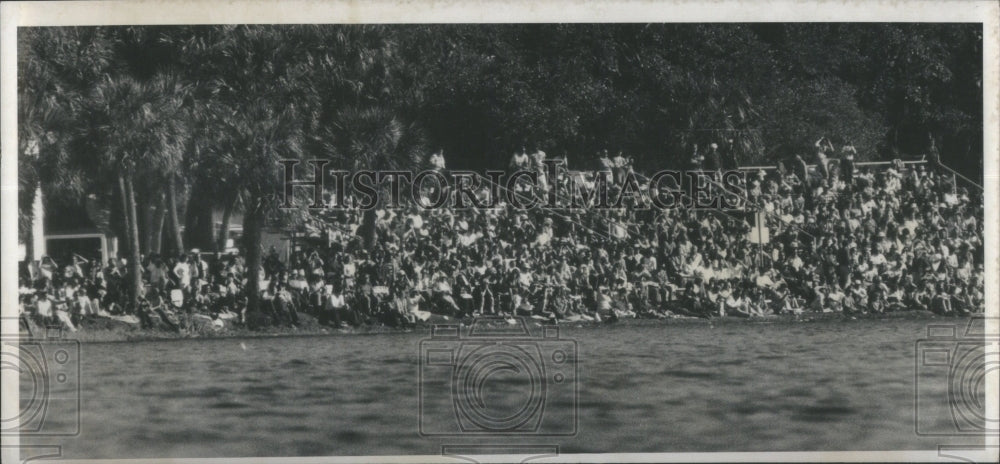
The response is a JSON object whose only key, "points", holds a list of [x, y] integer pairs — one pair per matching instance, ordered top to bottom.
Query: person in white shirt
{"points": [[538, 158], [437, 160], [520, 161], [620, 167], [877, 259], [199, 269], [350, 271], [183, 272], [297, 280], [330, 300], [736, 305], [43, 306], [61, 310], [413, 311]]}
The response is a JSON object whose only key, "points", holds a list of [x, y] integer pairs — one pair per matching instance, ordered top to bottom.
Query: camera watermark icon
{"points": [[952, 365], [49, 375], [497, 379], [29, 453], [969, 453]]}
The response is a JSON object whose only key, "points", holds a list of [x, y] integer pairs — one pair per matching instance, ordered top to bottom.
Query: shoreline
{"points": [[105, 330]]}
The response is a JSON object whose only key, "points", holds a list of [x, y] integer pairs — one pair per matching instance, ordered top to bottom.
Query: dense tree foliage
{"points": [[655, 90], [160, 126]]}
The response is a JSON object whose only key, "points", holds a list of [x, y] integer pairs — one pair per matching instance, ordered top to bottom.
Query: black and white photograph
{"points": [[568, 233]]}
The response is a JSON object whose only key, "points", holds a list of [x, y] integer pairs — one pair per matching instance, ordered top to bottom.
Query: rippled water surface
{"points": [[681, 387]]}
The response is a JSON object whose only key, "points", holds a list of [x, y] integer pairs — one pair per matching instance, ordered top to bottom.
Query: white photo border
{"points": [[142, 12]]}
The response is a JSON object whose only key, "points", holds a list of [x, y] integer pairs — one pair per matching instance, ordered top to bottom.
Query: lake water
{"points": [[745, 386]]}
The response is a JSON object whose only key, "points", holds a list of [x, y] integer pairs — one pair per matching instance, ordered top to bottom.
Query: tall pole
{"points": [[760, 241]]}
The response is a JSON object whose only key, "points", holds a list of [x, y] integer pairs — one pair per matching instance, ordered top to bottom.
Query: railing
{"points": [[836, 161], [956, 175]]}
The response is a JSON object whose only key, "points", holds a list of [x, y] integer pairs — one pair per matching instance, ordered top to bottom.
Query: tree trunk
{"points": [[147, 205], [172, 208], [227, 215], [125, 216], [253, 225], [368, 228], [199, 231], [156, 243], [134, 265]]}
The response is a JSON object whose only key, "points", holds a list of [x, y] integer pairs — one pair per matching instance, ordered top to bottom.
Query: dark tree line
{"points": [[654, 90]]}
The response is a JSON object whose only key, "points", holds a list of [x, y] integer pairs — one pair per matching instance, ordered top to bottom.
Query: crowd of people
{"points": [[839, 238]]}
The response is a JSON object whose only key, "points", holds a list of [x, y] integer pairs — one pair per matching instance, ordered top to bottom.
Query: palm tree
{"points": [[204, 55], [56, 67], [264, 87], [359, 96], [253, 120], [137, 132], [372, 138], [251, 142]]}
